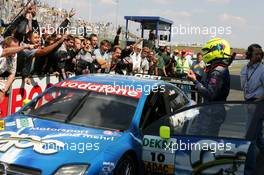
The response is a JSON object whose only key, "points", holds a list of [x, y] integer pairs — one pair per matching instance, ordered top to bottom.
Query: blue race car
{"points": [[107, 124], [86, 125]]}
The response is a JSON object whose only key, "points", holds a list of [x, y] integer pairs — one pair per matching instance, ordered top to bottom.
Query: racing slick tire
{"points": [[126, 166]]}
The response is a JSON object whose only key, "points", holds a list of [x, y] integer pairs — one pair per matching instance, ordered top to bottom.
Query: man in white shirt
{"points": [[6, 52], [102, 56], [136, 58], [144, 62], [7, 67], [252, 75], [252, 82]]}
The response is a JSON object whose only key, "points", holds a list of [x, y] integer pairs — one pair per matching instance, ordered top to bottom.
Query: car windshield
{"points": [[84, 107]]}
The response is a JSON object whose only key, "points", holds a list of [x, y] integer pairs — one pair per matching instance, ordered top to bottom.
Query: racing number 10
{"points": [[160, 157]]}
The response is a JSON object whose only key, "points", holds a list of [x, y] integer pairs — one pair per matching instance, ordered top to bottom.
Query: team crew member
{"points": [[183, 65], [252, 75], [252, 82], [215, 84]]}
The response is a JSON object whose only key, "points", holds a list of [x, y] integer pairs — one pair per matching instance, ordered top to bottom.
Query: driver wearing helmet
{"points": [[215, 84]]}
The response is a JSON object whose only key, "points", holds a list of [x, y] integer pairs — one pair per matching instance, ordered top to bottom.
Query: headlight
{"points": [[72, 169]]}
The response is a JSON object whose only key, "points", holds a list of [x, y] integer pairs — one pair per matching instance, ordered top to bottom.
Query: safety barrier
{"points": [[19, 91]]}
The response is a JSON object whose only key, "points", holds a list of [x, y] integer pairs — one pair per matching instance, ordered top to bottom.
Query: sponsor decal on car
{"points": [[152, 77], [101, 88], [24, 123], [74, 133], [12, 139], [214, 156], [156, 158], [108, 167]]}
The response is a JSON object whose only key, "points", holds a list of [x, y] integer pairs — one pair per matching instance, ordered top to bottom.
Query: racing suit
{"points": [[215, 84]]}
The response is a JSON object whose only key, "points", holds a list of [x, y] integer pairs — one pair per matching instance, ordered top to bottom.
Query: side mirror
{"points": [[26, 101], [164, 132]]}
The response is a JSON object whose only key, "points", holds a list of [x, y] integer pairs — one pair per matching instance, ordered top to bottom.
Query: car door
{"points": [[206, 139]]}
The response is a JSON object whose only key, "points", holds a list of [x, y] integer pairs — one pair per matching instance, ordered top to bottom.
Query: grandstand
{"points": [[52, 16]]}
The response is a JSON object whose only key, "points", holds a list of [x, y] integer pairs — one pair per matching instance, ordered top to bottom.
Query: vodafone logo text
{"points": [[106, 89]]}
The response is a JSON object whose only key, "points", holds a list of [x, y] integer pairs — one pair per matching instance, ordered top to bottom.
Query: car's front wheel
{"points": [[126, 166]]}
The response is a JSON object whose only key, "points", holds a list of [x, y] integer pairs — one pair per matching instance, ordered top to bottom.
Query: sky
{"points": [[238, 21]]}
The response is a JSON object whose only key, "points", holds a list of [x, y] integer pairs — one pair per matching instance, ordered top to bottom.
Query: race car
{"points": [[89, 124], [108, 124]]}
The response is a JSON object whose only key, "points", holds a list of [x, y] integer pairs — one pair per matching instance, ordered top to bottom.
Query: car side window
{"points": [[175, 97], [153, 110], [210, 120], [178, 123], [153, 128]]}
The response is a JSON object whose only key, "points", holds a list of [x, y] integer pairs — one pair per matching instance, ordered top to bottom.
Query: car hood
{"points": [[47, 145]]}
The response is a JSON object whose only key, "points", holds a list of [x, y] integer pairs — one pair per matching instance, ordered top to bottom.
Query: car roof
{"points": [[123, 80]]}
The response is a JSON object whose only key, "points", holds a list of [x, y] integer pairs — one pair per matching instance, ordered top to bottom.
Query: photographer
{"points": [[24, 23]]}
